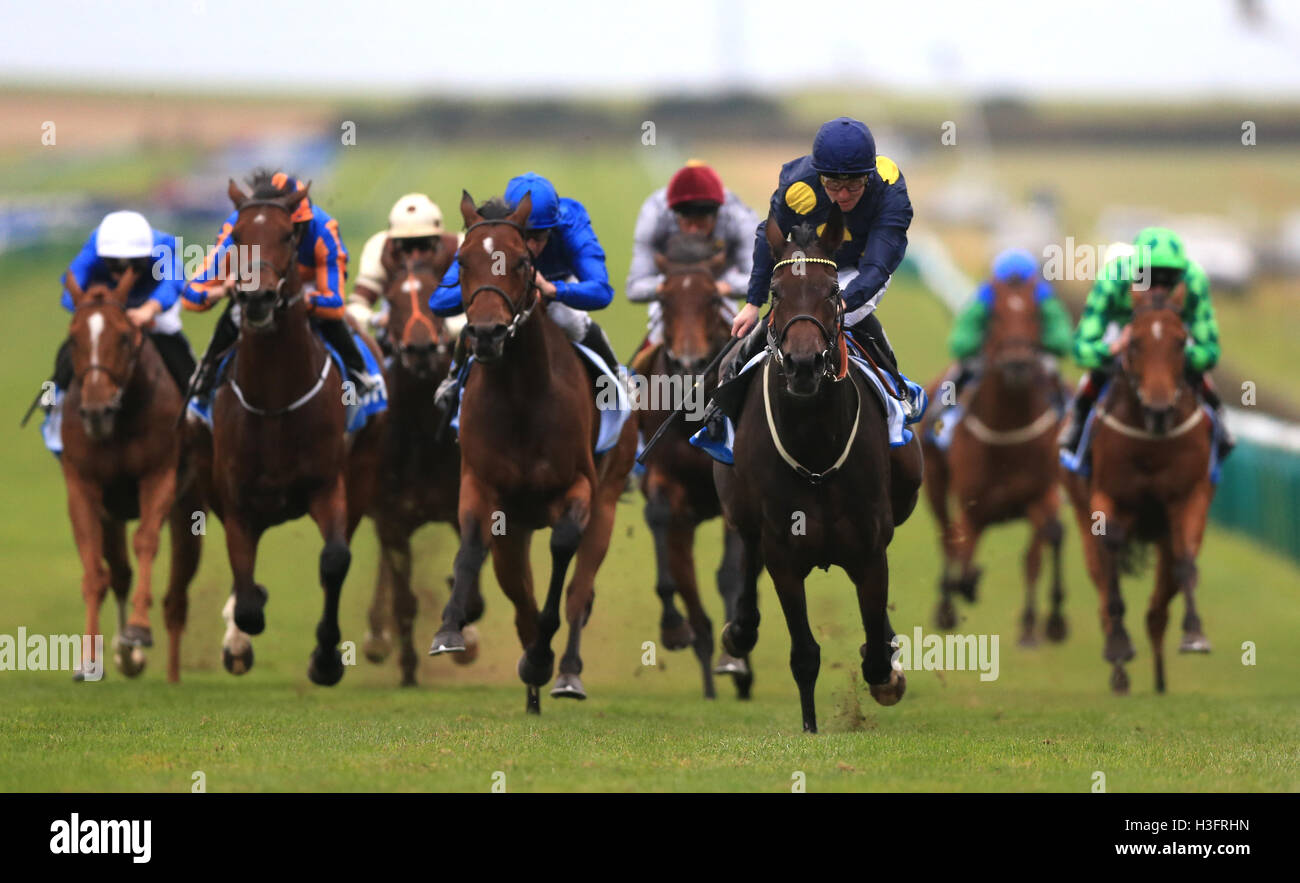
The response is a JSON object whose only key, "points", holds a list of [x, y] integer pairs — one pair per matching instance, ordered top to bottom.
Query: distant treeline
{"points": [[747, 115]]}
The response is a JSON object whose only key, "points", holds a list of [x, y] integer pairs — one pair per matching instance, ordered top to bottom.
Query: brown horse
{"points": [[528, 425], [278, 449], [121, 459], [1001, 464], [419, 475], [678, 481], [814, 482], [1150, 482]]}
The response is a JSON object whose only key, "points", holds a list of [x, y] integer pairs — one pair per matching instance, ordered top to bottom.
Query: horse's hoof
{"points": [[967, 585], [945, 615], [249, 617], [1056, 629], [136, 636], [470, 636], [677, 636], [1028, 639], [447, 641], [1194, 642], [735, 643], [377, 648], [1119, 648], [130, 659], [237, 663], [730, 665], [326, 667], [536, 671], [408, 680], [1119, 681], [744, 684], [568, 686], [889, 693], [534, 701]]}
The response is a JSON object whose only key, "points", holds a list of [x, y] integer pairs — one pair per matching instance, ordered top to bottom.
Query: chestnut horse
{"points": [[528, 425], [278, 449], [121, 460], [1001, 464], [419, 476], [678, 481], [1150, 482], [841, 502]]}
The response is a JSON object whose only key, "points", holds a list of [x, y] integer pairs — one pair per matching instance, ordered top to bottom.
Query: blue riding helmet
{"points": [[844, 146], [546, 202], [1014, 265]]}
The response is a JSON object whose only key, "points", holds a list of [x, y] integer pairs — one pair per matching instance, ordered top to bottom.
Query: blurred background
{"points": [[1033, 125]]}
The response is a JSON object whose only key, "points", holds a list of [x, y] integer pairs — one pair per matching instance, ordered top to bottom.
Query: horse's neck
{"points": [[281, 364], [525, 368], [408, 395], [1122, 400], [1003, 406], [815, 430]]}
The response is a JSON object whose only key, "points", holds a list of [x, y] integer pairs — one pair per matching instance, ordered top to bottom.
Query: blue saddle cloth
{"points": [[359, 408], [613, 409], [895, 418]]}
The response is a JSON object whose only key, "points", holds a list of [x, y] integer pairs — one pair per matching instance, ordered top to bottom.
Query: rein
{"points": [[518, 315], [830, 338], [119, 381], [293, 406], [813, 477]]}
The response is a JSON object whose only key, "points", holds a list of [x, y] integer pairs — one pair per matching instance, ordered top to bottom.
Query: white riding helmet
{"points": [[414, 215], [124, 235]]}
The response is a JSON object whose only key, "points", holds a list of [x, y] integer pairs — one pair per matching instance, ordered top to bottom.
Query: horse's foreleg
{"points": [[936, 492], [157, 493], [84, 500], [329, 510], [476, 518], [1187, 530], [1054, 534], [965, 539], [681, 540], [187, 546], [397, 554], [1033, 564], [730, 580], [582, 591], [1158, 610], [674, 632], [740, 634], [378, 642], [1119, 647], [805, 654], [130, 658], [886, 683]]}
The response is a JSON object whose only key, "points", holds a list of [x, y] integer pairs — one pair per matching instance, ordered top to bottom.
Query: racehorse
{"points": [[528, 424], [278, 449], [121, 460], [1001, 463], [419, 474], [678, 481], [814, 482], [1150, 482]]}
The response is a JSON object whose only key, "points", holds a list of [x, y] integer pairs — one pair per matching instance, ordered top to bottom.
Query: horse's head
{"points": [[266, 249], [496, 274], [689, 298], [807, 312], [1014, 330], [417, 335], [105, 349], [1154, 358]]}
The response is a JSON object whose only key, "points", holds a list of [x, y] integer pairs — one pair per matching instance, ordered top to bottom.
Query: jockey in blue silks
{"points": [[842, 170], [569, 261]]}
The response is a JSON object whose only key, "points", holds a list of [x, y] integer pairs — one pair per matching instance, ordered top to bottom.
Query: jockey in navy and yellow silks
{"points": [[842, 170], [323, 263]]}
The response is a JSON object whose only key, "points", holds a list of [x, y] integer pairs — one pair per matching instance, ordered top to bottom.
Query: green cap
{"points": [[1159, 247]]}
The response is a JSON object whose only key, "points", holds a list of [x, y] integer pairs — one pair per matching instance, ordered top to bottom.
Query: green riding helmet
{"points": [[1159, 248]]}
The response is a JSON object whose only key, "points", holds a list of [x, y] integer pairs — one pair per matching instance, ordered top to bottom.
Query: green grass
{"points": [[1047, 723]]}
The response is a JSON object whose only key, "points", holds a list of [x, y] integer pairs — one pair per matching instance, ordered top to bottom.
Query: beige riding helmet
{"points": [[414, 215]]}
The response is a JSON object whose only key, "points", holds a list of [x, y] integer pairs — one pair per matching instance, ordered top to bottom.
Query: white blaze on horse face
{"points": [[259, 218], [487, 244], [411, 284], [1016, 303], [96, 325], [1156, 330]]}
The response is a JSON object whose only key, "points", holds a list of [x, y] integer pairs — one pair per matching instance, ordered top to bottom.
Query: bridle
{"points": [[282, 274], [412, 287], [518, 315], [829, 336], [674, 367], [120, 381]]}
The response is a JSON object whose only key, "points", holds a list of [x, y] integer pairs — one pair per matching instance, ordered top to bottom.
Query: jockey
{"points": [[844, 170], [694, 203], [414, 225], [125, 239], [1159, 253], [322, 260], [571, 273], [966, 341]]}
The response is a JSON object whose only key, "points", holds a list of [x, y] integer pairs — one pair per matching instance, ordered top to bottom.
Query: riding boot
{"points": [[871, 334], [338, 335], [596, 341], [176, 355], [205, 375], [62, 376], [729, 394], [444, 399], [1084, 399], [1227, 441]]}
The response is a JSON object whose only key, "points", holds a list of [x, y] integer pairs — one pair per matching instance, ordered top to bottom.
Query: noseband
{"points": [[412, 286], [281, 302], [518, 315], [829, 337], [118, 381]]}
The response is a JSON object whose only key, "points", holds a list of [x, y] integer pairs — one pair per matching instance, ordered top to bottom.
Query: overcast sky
{"points": [[1107, 48]]}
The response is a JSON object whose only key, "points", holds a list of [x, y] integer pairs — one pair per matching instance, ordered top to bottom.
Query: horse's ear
{"points": [[236, 195], [293, 199], [467, 209], [523, 210], [832, 232], [775, 238], [386, 257], [662, 263], [718, 263], [70, 283], [124, 286], [1178, 296]]}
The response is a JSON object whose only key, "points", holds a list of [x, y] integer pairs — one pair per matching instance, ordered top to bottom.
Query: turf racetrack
{"points": [[1047, 723]]}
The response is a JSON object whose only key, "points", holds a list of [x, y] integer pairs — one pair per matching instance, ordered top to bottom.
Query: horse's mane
{"points": [[263, 186], [495, 209], [804, 236], [683, 248]]}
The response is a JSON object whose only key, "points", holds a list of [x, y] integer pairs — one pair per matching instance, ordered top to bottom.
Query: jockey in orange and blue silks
{"points": [[323, 262]]}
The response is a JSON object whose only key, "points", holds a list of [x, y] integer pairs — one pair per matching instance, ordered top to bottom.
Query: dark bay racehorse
{"points": [[528, 424], [278, 449], [121, 460], [1002, 462], [419, 474], [678, 481], [1150, 482], [814, 483]]}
